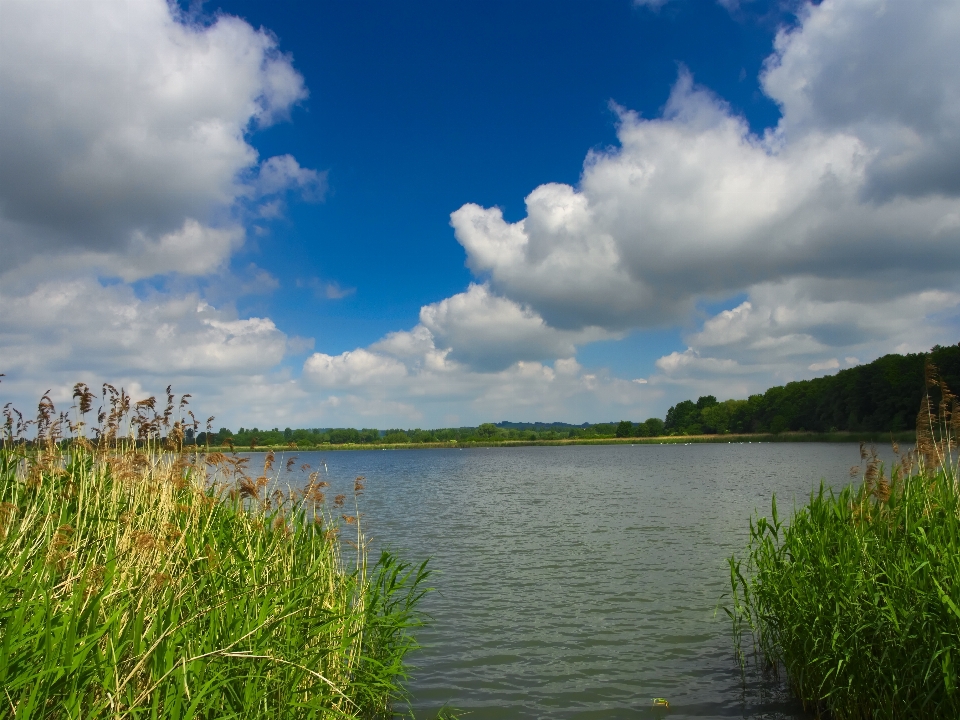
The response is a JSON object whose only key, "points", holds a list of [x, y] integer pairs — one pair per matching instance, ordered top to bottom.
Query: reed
{"points": [[140, 581], [857, 598]]}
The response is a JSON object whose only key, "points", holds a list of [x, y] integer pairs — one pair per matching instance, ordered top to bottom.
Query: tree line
{"points": [[881, 396], [487, 432]]}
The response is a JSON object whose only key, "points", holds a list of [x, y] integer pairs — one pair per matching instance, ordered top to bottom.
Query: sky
{"points": [[426, 214]]}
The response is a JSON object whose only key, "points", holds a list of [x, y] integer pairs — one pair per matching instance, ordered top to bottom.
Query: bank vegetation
{"points": [[141, 580], [856, 598]]}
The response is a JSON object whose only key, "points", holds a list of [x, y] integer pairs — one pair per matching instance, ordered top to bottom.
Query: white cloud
{"points": [[885, 72], [124, 134], [280, 173], [193, 249], [329, 289], [806, 319], [82, 326], [792, 330], [64, 332], [491, 333], [831, 364], [352, 369]]}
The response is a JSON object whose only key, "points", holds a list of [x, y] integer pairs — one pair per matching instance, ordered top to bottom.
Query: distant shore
{"points": [[784, 437]]}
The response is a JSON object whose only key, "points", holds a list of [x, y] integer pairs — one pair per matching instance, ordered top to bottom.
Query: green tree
{"points": [[706, 401], [682, 417], [653, 427], [624, 429], [487, 431]]}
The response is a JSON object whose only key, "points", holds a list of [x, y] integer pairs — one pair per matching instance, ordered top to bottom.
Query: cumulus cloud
{"points": [[884, 72], [124, 133], [694, 205], [839, 224], [83, 326], [79, 330], [792, 330], [488, 332], [353, 368]]}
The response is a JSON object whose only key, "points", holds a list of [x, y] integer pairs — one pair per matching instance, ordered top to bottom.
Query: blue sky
{"points": [[418, 108], [436, 213]]}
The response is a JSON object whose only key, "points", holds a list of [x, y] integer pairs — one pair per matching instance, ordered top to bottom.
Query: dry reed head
{"points": [[84, 397], [937, 422], [249, 489], [7, 512]]}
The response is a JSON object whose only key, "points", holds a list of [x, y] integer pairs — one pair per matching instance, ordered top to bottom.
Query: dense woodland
{"points": [[881, 396]]}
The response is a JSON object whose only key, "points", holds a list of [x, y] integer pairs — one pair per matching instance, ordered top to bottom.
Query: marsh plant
{"points": [[139, 580], [857, 598]]}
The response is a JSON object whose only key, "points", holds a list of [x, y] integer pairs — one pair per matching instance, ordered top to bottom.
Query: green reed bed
{"points": [[140, 582], [857, 598]]}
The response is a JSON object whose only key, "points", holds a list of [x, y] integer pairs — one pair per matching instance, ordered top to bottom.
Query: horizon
{"points": [[368, 215]]}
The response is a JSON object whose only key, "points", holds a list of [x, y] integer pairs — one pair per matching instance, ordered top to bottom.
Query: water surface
{"points": [[583, 581]]}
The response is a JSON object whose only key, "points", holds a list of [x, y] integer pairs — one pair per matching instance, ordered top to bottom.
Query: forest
{"points": [[880, 396]]}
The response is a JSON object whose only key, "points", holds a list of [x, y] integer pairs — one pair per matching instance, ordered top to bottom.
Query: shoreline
{"points": [[908, 436]]}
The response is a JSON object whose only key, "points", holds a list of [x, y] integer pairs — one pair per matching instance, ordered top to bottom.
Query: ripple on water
{"points": [[582, 581]]}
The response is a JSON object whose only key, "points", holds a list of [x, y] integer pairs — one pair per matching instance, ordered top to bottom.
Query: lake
{"points": [[582, 581]]}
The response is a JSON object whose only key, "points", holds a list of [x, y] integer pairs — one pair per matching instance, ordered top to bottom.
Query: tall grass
{"points": [[140, 581], [857, 598]]}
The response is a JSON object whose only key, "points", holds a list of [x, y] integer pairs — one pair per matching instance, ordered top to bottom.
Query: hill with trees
{"points": [[881, 396]]}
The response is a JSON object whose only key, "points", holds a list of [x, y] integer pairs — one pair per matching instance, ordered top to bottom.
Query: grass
{"points": [[139, 581], [857, 598]]}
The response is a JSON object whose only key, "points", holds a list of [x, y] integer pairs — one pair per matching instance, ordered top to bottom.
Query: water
{"points": [[583, 581]]}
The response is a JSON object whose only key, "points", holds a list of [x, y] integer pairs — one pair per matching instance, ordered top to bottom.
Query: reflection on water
{"points": [[582, 581]]}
